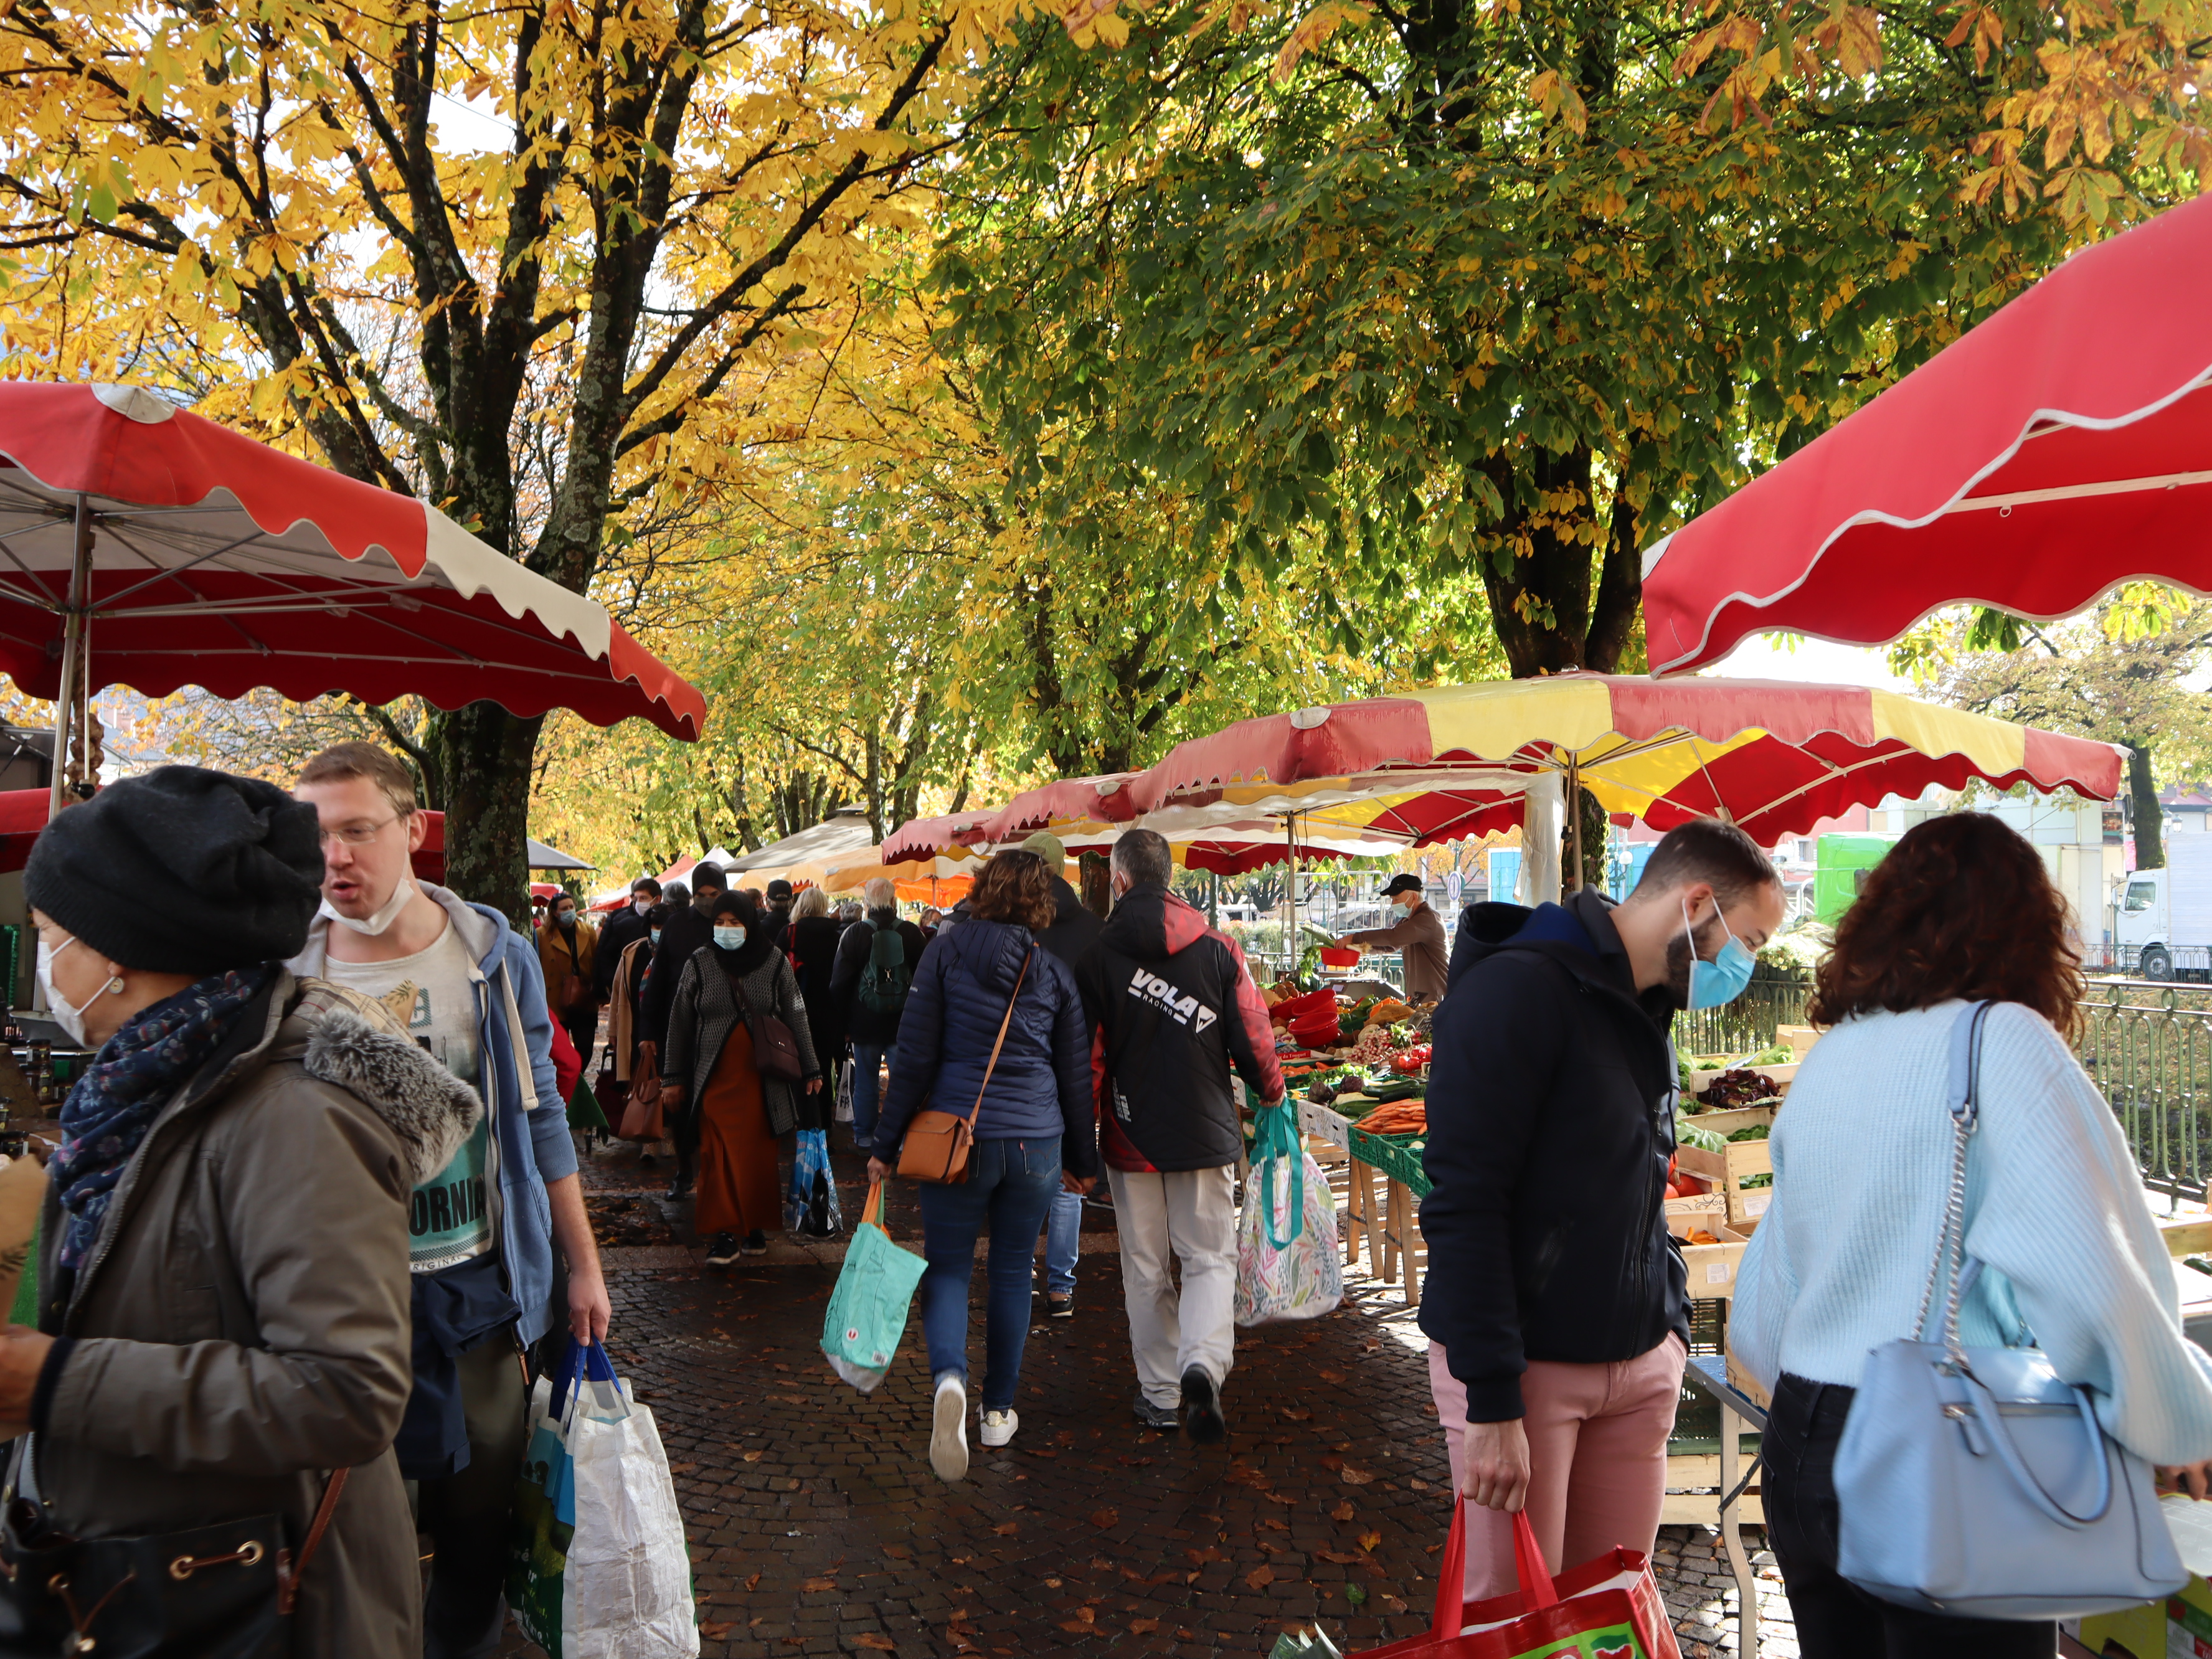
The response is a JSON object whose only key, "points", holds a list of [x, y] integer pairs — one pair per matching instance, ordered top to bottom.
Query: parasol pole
{"points": [[68, 715], [1575, 820]]}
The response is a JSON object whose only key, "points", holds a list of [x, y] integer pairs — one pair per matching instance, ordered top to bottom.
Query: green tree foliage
{"points": [[1441, 290]]}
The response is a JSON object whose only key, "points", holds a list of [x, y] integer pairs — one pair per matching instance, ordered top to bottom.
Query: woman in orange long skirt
{"points": [[713, 1066]]}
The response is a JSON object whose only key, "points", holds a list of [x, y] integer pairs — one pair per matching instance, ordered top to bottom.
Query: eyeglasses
{"points": [[356, 834]]}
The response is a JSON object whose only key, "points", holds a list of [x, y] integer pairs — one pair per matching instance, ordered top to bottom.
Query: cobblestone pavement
{"points": [[816, 1526]]}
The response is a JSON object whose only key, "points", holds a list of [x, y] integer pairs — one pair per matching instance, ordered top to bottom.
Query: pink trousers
{"points": [[1597, 1460]]}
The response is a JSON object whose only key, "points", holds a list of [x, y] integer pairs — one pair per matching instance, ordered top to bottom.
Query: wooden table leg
{"points": [[1391, 1223], [1415, 1247], [1747, 1582]]}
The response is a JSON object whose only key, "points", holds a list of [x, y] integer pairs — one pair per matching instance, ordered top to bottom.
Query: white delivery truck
{"points": [[2163, 922]]}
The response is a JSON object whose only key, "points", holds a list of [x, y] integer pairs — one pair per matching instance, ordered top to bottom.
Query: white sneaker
{"points": [[998, 1426], [948, 1431]]}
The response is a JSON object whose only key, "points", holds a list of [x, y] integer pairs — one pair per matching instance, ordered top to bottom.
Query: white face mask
{"points": [[640, 905], [377, 923], [70, 1019]]}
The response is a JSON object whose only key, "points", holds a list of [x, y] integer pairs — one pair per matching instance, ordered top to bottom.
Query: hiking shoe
{"points": [[756, 1243], [723, 1250], [1060, 1307], [1201, 1408], [1162, 1418], [998, 1426], [948, 1429]]}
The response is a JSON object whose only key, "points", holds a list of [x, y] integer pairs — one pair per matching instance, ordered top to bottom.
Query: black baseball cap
{"points": [[1405, 883]]}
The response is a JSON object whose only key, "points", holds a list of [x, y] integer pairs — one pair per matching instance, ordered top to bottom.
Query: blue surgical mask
{"points": [[656, 936], [729, 938], [1723, 979]]}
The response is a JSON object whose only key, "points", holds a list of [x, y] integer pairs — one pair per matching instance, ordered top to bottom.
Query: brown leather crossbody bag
{"points": [[937, 1143]]}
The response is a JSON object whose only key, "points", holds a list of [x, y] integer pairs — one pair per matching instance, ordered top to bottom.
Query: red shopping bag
{"points": [[1606, 1608]]}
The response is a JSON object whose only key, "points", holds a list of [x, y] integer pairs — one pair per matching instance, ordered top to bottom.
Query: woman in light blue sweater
{"points": [[1961, 911]]}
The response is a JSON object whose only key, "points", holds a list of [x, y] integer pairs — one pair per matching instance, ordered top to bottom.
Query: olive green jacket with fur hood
{"points": [[240, 1325]]}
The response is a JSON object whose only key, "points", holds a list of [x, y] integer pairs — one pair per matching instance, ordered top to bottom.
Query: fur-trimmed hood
{"points": [[432, 1111]]}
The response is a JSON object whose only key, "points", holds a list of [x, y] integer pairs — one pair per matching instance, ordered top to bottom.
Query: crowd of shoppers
{"points": [[308, 1054]]}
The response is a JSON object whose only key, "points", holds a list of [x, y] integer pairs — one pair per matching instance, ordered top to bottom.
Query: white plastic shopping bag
{"points": [[1287, 1262], [599, 1568]]}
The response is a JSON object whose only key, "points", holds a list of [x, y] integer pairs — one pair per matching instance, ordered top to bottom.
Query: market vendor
{"points": [[1417, 934]]}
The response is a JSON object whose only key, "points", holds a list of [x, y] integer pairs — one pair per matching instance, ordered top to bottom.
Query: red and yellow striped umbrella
{"points": [[1449, 762]]}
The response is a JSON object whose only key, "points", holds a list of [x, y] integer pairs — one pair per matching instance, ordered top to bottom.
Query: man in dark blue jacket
{"points": [[1556, 1308]]}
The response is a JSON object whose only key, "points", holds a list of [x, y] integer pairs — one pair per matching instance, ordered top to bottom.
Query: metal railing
{"points": [[1745, 1026], [2149, 1048]]}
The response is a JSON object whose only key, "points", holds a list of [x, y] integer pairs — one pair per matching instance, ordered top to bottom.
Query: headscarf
{"points": [[758, 946]]}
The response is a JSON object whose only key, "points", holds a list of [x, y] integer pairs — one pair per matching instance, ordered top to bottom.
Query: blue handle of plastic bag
{"points": [[1276, 1139], [581, 1362]]}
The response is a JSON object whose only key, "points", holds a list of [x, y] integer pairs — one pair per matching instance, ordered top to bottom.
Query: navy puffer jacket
{"points": [[1042, 1083]]}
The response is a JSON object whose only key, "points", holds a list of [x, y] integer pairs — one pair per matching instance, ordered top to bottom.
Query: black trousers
{"points": [[583, 1029], [469, 1517], [1835, 1618]]}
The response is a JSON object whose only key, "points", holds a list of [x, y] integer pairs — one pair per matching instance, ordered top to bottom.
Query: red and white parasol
{"points": [[2063, 446], [141, 544]]}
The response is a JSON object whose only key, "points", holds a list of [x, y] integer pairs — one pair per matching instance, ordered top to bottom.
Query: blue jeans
{"points": [[868, 1061], [1010, 1186], [1063, 1233]]}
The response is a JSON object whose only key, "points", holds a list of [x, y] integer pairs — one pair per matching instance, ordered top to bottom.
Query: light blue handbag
{"points": [[1974, 1482]]}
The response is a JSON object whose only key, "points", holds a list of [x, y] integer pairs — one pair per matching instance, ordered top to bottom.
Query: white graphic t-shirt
{"points": [[432, 995]]}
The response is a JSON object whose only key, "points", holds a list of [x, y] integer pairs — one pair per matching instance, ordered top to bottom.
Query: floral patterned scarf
{"points": [[136, 1073]]}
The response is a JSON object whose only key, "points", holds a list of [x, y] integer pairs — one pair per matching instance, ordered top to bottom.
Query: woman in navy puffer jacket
{"points": [[1034, 1130]]}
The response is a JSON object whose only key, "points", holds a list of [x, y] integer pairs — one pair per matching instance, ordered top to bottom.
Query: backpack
{"points": [[884, 981]]}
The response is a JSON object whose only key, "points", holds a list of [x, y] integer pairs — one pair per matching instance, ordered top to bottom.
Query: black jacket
{"points": [[623, 929], [1074, 930], [682, 937], [814, 941], [1177, 1011], [868, 1025], [1041, 1085], [1551, 1122]]}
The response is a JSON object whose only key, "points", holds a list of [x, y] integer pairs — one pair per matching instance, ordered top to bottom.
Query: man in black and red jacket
{"points": [[1177, 1011]]}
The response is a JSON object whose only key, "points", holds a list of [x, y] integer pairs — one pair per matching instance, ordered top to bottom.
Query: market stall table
{"points": [[1739, 1412]]}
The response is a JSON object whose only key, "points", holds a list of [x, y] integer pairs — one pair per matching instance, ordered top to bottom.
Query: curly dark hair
{"points": [[1014, 887], [1962, 906]]}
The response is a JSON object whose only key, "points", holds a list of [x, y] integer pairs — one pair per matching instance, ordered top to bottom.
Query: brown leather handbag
{"points": [[775, 1050], [641, 1118], [937, 1143]]}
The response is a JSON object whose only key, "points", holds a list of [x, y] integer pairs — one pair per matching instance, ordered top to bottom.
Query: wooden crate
{"points": [[1797, 1038], [1726, 1123], [1726, 1171], [1682, 1507]]}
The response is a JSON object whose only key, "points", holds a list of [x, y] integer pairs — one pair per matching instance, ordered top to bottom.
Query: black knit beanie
{"points": [[182, 870]]}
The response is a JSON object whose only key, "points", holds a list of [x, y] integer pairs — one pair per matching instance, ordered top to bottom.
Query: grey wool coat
{"points": [[705, 1012], [240, 1326]]}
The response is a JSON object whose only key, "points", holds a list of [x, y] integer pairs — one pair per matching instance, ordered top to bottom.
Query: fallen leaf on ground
{"points": [[1332, 1377], [1296, 1414], [755, 1457], [1332, 1462], [682, 1469], [1352, 1477], [1417, 1484], [1342, 1512], [1105, 1517], [1269, 1524], [1005, 1529], [1368, 1540], [896, 1552], [1337, 1556], [1199, 1557], [1259, 1577], [753, 1582], [819, 1585], [1353, 1594], [1391, 1603], [1075, 1626], [1143, 1626], [715, 1630], [876, 1639]]}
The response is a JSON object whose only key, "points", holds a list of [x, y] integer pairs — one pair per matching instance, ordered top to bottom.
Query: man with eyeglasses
{"points": [[470, 990]]}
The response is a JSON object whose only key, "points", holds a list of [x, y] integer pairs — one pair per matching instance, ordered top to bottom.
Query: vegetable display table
{"points": [[1397, 1159]]}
